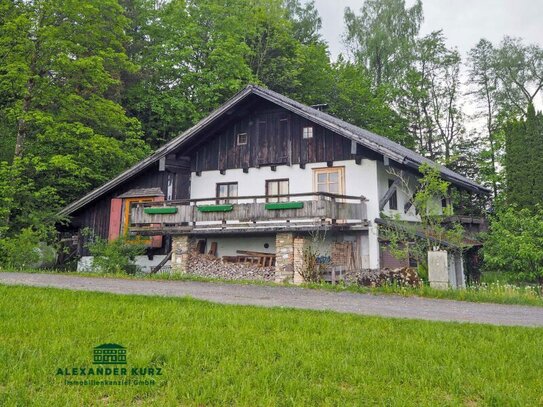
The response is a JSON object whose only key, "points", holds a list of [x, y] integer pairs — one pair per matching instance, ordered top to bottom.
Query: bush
{"points": [[514, 243], [25, 250], [115, 256]]}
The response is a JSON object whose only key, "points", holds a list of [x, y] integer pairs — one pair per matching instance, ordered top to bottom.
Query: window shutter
{"points": [[115, 218]]}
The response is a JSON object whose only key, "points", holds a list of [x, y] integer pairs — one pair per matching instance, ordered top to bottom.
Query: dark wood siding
{"points": [[274, 137], [96, 215]]}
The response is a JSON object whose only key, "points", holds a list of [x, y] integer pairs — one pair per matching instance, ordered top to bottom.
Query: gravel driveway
{"points": [[295, 297]]}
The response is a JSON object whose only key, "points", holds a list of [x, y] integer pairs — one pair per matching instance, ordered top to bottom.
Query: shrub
{"points": [[514, 243], [26, 250], [115, 256]]}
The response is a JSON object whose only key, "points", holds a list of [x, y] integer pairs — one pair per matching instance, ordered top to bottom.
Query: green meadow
{"points": [[214, 355]]}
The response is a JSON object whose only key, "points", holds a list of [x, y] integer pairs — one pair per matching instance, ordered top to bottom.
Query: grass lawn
{"points": [[233, 355]]}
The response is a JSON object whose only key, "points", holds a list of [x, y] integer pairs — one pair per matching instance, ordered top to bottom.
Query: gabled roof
{"points": [[380, 144]]}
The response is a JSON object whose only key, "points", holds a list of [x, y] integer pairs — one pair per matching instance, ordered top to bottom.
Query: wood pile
{"points": [[260, 259], [206, 265], [404, 277]]}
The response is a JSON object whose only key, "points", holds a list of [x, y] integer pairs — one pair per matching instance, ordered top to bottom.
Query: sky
{"points": [[464, 22]]}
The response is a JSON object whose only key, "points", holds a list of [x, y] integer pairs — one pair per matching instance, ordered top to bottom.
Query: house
{"points": [[254, 183]]}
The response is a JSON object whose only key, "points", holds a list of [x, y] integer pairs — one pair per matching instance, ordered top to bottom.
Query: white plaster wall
{"points": [[359, 180], [404, 194], [227, 246], [85, 263]]}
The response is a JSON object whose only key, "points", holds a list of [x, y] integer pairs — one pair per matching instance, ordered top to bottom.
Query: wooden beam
{"points": [[354, 145], [386, 161], [162, 164], [383, 201]]}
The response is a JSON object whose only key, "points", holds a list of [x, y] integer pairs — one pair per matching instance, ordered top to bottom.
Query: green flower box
{"points": [[277, 206], [216, 208], [161, 210]]}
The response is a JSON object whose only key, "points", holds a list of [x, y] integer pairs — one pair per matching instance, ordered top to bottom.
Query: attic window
{"points": [[307, 132], [242, 139]]}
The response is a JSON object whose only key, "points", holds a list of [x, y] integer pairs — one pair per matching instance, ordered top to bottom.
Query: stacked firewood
{"points": [[205, 265], [404, 276]]}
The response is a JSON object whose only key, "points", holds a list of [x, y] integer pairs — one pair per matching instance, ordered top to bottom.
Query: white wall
{"points": [[359, 180], [404, 193], [228, 246], [85, 263]]}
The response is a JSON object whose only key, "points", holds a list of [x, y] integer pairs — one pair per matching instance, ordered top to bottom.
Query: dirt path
{"points": [[294, 297]]}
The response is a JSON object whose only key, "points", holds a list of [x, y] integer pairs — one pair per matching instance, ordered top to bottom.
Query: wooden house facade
{"points": [[259, 171]]}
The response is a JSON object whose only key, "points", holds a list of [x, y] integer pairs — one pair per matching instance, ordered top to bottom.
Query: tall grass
{"points": [[217, 355]]}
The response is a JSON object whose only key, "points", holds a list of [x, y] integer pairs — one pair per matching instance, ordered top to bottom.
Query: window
{"points": [[307, 132], [242, 139], [329, 180], [277, 187], [227, 190], [393, 201], [130, 203]]}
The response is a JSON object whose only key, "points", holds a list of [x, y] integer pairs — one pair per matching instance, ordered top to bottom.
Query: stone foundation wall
{"points": [[183, 248], [284, 257], [298, 259]]}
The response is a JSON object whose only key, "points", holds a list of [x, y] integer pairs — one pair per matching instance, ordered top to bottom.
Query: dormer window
{"points": [[307, 132], [242, 139]]}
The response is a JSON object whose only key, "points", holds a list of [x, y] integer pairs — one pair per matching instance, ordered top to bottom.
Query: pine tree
{"points": [[524, 160]]}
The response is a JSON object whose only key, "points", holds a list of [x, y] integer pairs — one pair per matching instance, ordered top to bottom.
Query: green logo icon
{"points": [[109, 354]]}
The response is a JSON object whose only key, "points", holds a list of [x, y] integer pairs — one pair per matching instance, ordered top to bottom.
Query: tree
{"points": [[305, 20], [382, 38], [194, 55], [519, 68], [60, 90], [485, 90], [430, 99], [354, 100], [524, 160], [514, 243]]}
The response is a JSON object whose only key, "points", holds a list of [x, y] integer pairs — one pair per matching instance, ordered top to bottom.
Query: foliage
{"points": [[382, 37], [196, 55], [519, 68], [59, 87], [485, 91], [429, 97], [354, 100], [524, 160], [416, 240], [514, 243], [26, 249], [116, 256], [312, 269]]}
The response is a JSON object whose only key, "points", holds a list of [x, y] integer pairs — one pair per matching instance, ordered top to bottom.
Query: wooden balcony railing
{"points": [[303, 211]]}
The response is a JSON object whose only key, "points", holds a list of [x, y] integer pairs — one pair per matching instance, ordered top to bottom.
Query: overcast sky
{"points": [[464, 22]]}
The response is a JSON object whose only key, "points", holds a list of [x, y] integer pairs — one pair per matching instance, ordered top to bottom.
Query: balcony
{"points": [[250, 214]]}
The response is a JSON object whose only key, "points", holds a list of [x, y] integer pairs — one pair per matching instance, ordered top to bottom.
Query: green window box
{"points": [[277, 206], [216, 208], [165, 210]]}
